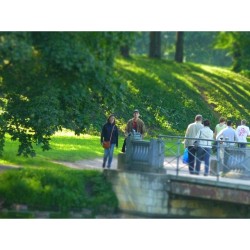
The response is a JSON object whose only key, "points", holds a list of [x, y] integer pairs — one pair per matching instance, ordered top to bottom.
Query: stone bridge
{"points": [[149, 189]]}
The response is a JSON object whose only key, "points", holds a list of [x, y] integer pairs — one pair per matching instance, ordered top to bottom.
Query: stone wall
{"points": [[140, 192], [160, 195]]}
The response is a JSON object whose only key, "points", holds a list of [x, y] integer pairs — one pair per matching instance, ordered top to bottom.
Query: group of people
{"points": [[110, 133], [200, 150]]}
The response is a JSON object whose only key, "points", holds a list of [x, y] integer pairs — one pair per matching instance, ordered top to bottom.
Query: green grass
{"points": [[169, 94], [65, 147], [42, 184], [57, 189]]}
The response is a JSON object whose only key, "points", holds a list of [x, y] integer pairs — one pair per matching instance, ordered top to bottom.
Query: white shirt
{"points": [[242, 132], [205, 133], [227, 133]]}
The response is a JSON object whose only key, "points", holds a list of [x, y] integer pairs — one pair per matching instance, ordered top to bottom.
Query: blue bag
{"points": [[185, 156]]}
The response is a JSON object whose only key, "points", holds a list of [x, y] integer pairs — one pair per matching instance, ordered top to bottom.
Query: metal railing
{"points": [[226, 156]]}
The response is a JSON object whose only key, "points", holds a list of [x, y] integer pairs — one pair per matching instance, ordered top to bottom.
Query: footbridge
{"points": [[151, 180]]}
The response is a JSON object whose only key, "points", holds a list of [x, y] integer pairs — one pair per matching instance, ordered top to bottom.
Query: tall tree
{"points": [[127, 41], [237, 44], [155, 45], [179, 51], [50, 80]]}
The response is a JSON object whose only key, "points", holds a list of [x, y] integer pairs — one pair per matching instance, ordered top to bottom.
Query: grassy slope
{"points": [[169, 95]]}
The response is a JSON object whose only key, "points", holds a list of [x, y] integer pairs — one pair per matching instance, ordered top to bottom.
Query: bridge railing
{"points": [[226, 156]]}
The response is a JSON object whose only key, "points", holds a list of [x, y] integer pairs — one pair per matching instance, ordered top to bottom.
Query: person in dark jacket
{"points": [[109, 133]]}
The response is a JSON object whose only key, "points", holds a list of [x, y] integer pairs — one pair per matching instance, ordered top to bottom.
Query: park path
{"points": [[88, 164]]}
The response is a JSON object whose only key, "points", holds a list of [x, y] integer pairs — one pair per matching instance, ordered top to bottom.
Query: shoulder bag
{"points": [[106, 144]]}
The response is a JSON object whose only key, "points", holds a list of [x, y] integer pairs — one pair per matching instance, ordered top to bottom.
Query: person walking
{"points": [[134, 124], [221, 125], [191, 132], [242, 132], [109, 134], [227, 134], [204, 148]]}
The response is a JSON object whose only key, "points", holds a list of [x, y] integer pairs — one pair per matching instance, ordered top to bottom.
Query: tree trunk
{"points": [[155, 45], [179, 47], [125, 51], [236, 57]]}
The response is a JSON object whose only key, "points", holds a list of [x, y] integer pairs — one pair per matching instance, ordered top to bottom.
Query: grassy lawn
{"points": [[65, 147], [43, 185]]}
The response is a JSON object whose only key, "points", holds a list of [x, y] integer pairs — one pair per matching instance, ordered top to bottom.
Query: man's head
{"points": [[136, 113], [198, 118], [222, 119], [243, 122], [206, 123], [229, 123]]}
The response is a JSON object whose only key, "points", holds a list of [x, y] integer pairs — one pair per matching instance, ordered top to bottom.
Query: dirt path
{"points": [[88, 164]]}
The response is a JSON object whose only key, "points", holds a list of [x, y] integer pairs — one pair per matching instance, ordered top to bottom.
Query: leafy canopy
{"points": [[50, 80]]}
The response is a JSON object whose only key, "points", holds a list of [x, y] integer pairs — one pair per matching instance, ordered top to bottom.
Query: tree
{"points": [[127, 39], [237, 44], [155, 45], [179, 46], [50, 80]]}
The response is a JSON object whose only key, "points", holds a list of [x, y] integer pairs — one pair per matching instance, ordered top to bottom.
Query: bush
{"points": [[57, 189]]}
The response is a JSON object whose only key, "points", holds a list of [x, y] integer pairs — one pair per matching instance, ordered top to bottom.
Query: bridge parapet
{"points": [[142, 155]]}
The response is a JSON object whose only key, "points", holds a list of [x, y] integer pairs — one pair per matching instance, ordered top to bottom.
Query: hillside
{"points": [[169, 94]]}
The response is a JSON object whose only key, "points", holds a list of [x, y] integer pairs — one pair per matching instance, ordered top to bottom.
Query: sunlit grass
{"points": [[65, 146]]}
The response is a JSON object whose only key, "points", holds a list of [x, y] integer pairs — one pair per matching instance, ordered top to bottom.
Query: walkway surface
{"points": [[170, 166]]}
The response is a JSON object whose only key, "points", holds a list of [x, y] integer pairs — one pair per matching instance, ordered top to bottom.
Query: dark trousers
{"points": [[124, 146], [191, 158]]}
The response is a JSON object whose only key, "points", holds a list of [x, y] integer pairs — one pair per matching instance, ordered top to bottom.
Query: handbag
{"points": [[106, 144]]}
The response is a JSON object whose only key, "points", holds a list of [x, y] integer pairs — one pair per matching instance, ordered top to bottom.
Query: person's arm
{"points": [[126, 129], [143, 129], [215, 132], [117, 134], [102, 135], [186, 135], [219, 135]]}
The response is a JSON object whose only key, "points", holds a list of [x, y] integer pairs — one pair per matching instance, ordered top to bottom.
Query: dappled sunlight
{"points": [[132, 67]]}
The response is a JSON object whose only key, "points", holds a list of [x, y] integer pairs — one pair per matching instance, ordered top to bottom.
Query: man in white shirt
{"points": [[191, 132], [242, 132], [228, 134]]}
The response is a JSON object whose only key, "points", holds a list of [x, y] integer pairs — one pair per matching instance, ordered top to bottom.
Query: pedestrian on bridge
{"points": [[191, 132], [242, 132], [204, 148]]}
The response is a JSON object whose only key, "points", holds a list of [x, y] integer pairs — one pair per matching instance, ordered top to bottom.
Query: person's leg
{"points": [[124, 146], [110, 156], [199, 156], [105, 157], [191, 159], [206, 159]]}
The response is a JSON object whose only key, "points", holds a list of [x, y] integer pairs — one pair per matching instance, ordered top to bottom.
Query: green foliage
{"points": [[237, 45], [50, 80], [55, 80], [169, 95], [57, 189]]}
